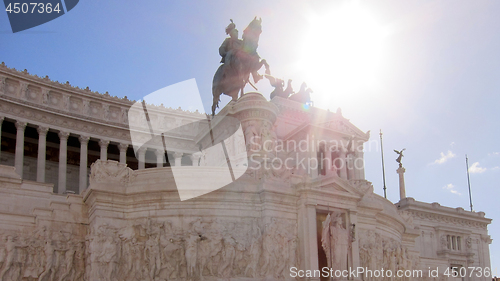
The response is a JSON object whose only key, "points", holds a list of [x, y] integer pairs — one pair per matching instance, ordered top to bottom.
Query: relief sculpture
{"points": [[149, 249]]}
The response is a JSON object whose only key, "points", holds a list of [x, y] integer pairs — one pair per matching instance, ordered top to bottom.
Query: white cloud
{"points": [[452, 143], [494, 154], [444, 157], [475, 169], [450, 187]]}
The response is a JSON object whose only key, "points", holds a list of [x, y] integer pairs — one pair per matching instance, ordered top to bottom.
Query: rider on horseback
{"points": [[230, 45], [240, 60]]}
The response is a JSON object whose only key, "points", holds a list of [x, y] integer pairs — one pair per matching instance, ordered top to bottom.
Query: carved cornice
{"points": [[447, 219]]}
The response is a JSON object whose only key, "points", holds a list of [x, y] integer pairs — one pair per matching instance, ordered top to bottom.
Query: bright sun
{"points": [[342, 55]]}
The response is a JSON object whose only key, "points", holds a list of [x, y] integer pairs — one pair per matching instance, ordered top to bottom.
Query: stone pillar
{"points": [[1, 121], [20, 126], [84, 140], [104, 149], [42, 152], [123, 152], [160, 157], [142, 158], [178, 158], [195, 158], [63, 161], [329, 161], [359, 162], [343, 164], [351, 169], [402, 190], [308, 246]]}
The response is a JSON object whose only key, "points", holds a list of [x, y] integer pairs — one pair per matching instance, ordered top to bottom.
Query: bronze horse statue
{"points": [[232, 76]]}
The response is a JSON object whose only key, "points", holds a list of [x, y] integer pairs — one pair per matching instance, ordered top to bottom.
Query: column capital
{"points": [[21, 125], [42, 130], [63, 135], [84, 139], [103, 143], [123, 146], [142, 150], [159, 152], [178, 154], [195, 156]]}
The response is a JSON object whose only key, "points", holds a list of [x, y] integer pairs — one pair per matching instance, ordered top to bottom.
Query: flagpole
{"points": [[383, 166], [468, 181]]}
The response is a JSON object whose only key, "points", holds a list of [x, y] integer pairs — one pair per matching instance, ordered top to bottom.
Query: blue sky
{"points": [[432, 87]]}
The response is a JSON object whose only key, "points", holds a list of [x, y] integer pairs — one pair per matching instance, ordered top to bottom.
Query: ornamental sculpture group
{"points": [[240, 60], [147, 250]]}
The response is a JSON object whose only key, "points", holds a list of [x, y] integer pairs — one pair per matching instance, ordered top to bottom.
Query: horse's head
{"points": [[252, 33]]}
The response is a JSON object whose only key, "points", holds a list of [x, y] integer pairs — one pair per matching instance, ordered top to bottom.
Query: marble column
{"points": [[1, 121], [20, 126], [84, 141], [104, 149], [42, 152], [123, 152], [160, 157], [142, 158], [178, 158], [195, 158], [63, 161], [329, 162], [359, 163], [343, 164], [350, 166], [402, 191], [308, 246]]}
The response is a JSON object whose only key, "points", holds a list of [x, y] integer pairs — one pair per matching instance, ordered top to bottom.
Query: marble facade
{"points": [[76, 202]]}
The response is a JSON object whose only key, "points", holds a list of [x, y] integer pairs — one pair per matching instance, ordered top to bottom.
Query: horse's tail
{"points": [[216, 88]]}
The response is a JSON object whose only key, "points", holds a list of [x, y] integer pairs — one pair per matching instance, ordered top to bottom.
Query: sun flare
{"points": [[342, 54]]}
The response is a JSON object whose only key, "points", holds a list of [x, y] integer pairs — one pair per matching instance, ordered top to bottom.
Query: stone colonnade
{"points": [[63, 154]]}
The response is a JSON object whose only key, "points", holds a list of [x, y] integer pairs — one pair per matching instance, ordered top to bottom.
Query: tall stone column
{"points": [[1, 121], [20, 126], [84, 141], [104, 149], [42, 151], [123, 152], [160, 157], [142, 158], [178, 158], [195, 158], [63, 161], [328, 162], [359, 163], [343, 164], [402, 191], [308, 246]]}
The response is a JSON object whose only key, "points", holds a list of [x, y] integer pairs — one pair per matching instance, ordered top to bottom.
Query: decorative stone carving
{"points": [[109, 171], [335, 241]]}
